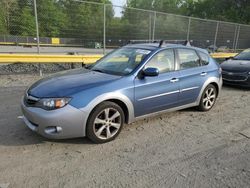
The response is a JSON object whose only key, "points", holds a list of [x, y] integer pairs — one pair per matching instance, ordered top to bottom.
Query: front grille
{"points": [[231, 76]]}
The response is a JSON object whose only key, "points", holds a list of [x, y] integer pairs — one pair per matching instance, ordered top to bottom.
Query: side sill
{"points": [[167, 110]]}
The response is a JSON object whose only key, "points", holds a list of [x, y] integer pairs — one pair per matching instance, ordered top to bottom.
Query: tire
{"points": [[208, 98], [105, 122]]}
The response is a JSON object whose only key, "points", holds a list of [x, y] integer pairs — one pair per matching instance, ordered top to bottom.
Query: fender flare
{"points": [[210, 80], [110, 96]]}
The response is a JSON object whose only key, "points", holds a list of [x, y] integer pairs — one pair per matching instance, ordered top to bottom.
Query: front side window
{"points": [[188, 59], [164, 61], [121, 62]]}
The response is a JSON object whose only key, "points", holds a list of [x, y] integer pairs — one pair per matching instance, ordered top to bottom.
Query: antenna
{"points": [[129, 42], [187, 43], [160, 44]]}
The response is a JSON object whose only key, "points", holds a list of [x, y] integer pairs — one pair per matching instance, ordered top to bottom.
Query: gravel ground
{"points": [[20, 68], [179, 149]]}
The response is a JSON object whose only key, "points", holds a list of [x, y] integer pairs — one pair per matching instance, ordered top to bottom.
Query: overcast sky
{"points": [[119, 2], [117, 9]]}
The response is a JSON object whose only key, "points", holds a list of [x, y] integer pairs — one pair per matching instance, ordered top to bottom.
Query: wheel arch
{"points": [[217, 82], [216, 86], [123, 101], [123, 107]]}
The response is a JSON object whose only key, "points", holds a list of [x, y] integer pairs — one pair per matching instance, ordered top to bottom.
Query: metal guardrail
{"points": [[35, 44], [222, 55], [39, 58], [87, 59]]}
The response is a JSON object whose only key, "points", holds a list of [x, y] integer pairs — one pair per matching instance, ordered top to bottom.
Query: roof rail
{"points": [[142, 41], [161, 42], [180, 42]]}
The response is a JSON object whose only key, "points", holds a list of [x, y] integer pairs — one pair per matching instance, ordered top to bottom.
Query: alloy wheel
{"points": [[209, 98], [107, 123]]}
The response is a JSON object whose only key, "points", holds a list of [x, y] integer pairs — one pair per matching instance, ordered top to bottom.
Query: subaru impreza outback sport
{"points": [[132, 82]]}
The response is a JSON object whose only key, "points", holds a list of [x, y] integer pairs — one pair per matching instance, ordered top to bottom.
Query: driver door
{"points": [[160, 92]]}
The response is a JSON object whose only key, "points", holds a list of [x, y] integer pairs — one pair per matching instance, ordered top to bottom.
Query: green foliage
{"points": [[169, 6], [7, 9], [225, 10], [51, 17], [72, 19], [27, 25], [3, 28]]}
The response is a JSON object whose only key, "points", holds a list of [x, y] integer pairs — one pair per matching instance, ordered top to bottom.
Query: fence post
{"points": [[149, 26], [104, 28], [188, 30], [216, 34], [37, 35], [153, 35], [235, 35], [237, 38]]}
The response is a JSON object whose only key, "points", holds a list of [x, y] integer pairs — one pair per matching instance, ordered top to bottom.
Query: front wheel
{"points": [[208, 98], [105, 122]]}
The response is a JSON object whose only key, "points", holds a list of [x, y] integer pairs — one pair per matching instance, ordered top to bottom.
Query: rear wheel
{"points": [[208, 98], [105, 122]]}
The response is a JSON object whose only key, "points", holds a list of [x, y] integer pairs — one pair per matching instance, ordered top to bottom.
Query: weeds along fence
{"points": [[96, 25]]}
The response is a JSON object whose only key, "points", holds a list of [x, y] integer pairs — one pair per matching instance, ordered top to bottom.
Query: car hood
{"points": [[236, 65], [67, 83]]}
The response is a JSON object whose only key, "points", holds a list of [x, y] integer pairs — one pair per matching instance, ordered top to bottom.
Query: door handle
{"points": [[203, 74], [173, 80]]}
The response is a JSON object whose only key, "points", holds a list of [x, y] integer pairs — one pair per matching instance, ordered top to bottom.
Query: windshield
{"points": [[245, 55], [121, 62]]}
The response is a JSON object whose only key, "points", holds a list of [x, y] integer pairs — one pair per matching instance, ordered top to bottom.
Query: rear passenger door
{"points": [[192, 75]]}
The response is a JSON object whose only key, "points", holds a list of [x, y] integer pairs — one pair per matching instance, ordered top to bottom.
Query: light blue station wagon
{"points": [[132, 82]]}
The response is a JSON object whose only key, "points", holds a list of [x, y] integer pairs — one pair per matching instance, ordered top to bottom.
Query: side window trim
{"points": [[199, 54], [199, 58], [177, 60]]}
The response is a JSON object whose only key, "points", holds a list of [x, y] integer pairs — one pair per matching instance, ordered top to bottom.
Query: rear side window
{"points": [[188, 58], [204, 58]]}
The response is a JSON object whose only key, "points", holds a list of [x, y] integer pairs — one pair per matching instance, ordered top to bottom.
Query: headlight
{"points": [[53, 103]]}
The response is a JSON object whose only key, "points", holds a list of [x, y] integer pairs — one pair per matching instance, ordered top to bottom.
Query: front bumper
{"points": [[236, 79], [245, 84], [66, 122]]}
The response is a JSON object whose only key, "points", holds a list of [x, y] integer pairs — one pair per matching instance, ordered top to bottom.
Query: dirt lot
{"points": [[180, 149]]}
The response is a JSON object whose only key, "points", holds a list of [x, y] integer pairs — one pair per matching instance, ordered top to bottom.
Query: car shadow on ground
{"points": [[226, 86], [23, 136]]}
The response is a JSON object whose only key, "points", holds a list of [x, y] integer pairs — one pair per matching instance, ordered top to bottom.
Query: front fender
{"points": [[109, 96]]}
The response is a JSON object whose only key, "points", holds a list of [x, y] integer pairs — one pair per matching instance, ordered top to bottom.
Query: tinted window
{"points": [[188, 58], [204, 58], [164, 61]]}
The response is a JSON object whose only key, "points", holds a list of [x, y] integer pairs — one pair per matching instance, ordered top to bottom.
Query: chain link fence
{"points": [[92, 25]]}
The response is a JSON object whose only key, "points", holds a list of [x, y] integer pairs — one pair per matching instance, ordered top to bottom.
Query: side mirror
{"points": [[150, 71]]}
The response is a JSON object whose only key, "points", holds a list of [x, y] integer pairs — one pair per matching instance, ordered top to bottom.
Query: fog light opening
{"points": [[53, 130]]}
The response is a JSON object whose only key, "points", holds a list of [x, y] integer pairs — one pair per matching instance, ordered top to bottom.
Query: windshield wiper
{"points": [[242, 59], [97, 70]]}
